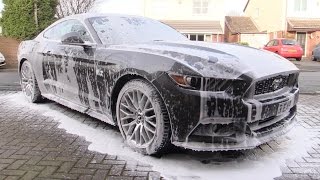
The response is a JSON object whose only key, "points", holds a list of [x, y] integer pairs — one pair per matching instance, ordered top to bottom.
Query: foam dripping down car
{"points": [[158, 87]]}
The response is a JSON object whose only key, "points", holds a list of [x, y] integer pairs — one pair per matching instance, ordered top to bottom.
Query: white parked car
{"points": [[2, 60]]}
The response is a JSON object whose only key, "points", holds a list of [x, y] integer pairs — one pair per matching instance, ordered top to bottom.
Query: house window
{"points": [[300, 5], [200, 6], [193, 37], [199, 37]]}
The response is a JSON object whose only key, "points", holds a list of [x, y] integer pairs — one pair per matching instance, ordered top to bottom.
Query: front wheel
{"points": [[298, 59], [29, 83], [142, 118]]}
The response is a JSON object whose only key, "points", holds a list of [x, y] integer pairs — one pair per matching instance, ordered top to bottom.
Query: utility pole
{"points": [[36, 13]]}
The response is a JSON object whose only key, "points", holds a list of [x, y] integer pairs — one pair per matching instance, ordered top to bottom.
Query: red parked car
{"points": [[287, 48]]}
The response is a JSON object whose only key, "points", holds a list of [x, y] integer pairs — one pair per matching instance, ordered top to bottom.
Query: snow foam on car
{"points": [[208, 63], [247, 165]]}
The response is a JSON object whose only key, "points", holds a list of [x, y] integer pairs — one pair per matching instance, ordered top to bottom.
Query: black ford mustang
{"points": [[159, 87]]}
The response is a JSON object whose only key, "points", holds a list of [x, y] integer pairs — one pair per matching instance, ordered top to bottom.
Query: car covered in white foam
{"points": [[157, 86]]}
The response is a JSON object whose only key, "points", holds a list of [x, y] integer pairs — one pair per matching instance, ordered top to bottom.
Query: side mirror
{"points": [[72, 38]]}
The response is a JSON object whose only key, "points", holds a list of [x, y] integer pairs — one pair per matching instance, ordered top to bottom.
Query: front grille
{"points": [[272, 84], [214, 85], [234, 87]]}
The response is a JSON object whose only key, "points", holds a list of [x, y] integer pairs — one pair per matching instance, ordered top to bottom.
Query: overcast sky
{"points": [[134, 6]]}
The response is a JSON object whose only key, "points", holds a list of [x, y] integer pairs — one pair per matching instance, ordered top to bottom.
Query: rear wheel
{"points": [[298, 59], [29, 83], [143, 119]]}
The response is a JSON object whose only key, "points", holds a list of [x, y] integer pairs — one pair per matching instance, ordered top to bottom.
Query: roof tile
{"points": [[241, 24]]}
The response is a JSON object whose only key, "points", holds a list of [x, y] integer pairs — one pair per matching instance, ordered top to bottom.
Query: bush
{"points": [[18, 17], [243, 43]]}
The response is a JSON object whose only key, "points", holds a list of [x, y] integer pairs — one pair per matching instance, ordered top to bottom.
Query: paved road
{"points": [[9, 79], [309, 82], [33, 147]]}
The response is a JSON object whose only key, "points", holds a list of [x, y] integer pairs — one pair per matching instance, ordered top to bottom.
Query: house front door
{"points": [[301, 39]]}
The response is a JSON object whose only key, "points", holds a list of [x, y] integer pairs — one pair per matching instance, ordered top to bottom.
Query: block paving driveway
{"points": [[33, 147]]}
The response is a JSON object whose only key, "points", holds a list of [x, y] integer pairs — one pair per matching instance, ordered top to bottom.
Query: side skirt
{"points": [[80, 108]]}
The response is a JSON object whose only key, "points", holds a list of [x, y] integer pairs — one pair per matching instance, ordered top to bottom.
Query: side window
{"points": [[63, 28], [79, 28], [270, 43], [276, 43]]}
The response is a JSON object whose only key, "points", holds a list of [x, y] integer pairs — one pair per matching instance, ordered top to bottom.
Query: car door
{"points": [[269, 45], [276, 46], [50, 63], [79, 63], [72, 66]]}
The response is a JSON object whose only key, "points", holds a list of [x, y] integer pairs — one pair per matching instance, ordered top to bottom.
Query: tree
{"points": [[71, 7], [24, 19]]}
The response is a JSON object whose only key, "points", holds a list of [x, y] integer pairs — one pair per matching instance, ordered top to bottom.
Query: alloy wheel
{"points": [[27, 80], [137, 118]]}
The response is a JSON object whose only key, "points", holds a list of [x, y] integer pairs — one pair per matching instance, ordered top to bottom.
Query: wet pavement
{"points": [[32, 146]]}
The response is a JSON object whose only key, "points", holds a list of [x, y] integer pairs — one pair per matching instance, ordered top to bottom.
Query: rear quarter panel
{"points": [[26, 51]]}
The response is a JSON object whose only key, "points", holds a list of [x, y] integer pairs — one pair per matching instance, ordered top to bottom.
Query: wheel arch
{"points": [[21, 62], [119, 85]]}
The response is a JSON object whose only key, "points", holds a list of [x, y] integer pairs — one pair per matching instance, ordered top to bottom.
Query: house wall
{"points": [[183, 10], [311, 11], [269, 15], [229, 37], [217, 38], [313, 38], [255, 40], [9, 48]]}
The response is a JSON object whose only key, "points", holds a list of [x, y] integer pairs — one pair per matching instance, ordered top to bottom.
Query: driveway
{"points": [[9, 79], [48, 141]]}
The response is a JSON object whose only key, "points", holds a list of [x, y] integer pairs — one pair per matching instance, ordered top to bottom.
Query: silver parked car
{"points": [[316, 53], [2, 60]]}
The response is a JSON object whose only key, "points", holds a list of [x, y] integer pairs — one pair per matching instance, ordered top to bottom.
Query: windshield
{"points": [[122, 30], [289, 42]]}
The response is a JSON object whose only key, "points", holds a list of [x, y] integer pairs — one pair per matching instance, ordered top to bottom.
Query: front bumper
{"points": [[225, 122]]}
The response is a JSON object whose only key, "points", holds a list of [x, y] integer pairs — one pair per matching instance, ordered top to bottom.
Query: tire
{"points": [[298, 59], [314, 59], [29, 84], [145, 126]]}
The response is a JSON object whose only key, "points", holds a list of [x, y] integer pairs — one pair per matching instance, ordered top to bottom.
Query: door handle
{"points": [[99, 72]]}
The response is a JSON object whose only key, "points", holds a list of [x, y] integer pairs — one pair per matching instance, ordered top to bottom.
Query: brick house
{"points": [[295, 19], [200, 20], [243, 29], [210, 31]]}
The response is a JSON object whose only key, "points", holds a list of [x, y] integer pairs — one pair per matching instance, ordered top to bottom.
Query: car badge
{"points": [[276, 83]]}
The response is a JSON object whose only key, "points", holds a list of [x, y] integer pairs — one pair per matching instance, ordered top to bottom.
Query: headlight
{"points": [[187, 81], [233, 87]]}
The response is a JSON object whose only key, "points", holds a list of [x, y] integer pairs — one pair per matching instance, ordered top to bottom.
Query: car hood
{"points": [[218, 59]]}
